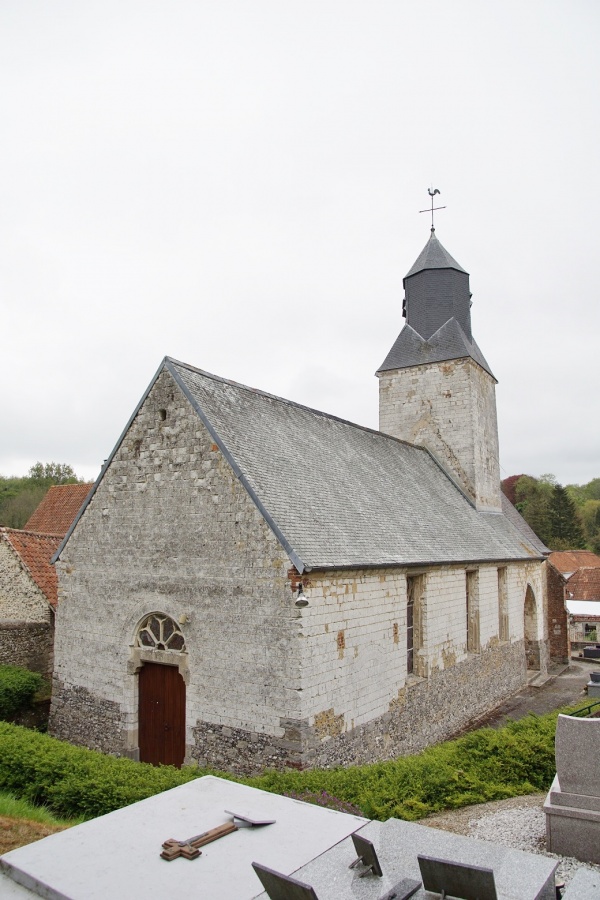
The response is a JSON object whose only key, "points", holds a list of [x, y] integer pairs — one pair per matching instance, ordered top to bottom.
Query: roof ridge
{"points": [[294, 403], [42, 534]]}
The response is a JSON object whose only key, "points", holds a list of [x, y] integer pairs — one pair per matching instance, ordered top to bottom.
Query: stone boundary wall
{"points": [[27, 644], [425, 712]]}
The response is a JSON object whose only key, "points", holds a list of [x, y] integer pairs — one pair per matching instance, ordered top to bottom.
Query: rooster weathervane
{"points": [[432, 192]]}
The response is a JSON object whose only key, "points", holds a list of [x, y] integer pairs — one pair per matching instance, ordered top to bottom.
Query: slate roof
{"points": [[434, 256], [437, 307], [448, 342], [335, 494], [338, 495], [58, 509], [35, 552], [567, 561], [584, 584]]}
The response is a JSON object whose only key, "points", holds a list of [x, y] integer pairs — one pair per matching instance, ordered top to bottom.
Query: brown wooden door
{"points": [[161, 715]]}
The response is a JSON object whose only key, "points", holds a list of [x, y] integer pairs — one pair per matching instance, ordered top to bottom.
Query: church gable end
{"points": [[170, 530]]}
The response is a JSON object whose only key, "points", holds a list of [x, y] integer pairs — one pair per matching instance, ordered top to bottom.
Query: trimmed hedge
{"points": [[17, 689], [488, 764], [72, 781]]}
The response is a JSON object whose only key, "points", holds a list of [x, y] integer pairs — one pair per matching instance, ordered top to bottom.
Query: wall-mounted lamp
{"points": [[301, 598], [182, 619]]}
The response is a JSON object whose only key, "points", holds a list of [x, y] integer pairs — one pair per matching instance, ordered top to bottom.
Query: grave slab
{"points": [[117, 855], [518, 875]]}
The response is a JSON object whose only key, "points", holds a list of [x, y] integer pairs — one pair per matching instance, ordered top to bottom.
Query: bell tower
{"points": [[435, 386]]}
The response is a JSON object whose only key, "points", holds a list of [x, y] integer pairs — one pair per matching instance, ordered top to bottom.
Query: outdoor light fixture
{"points": [[301, 598]]}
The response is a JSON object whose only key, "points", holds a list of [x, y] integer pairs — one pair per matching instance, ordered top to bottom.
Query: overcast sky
{"points": [[237, 184]]}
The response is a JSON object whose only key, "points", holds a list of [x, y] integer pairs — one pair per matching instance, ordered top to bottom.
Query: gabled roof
{"points": [[433, 256], [448, 342], [338, 495], [58, 509], [35, 552], [567, 561], [584, 584]]}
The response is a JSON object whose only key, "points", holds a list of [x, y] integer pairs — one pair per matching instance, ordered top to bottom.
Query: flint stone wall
{"points": [[27, 644]]}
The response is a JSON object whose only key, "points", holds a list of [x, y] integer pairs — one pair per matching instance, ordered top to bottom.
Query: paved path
{"points": [[565, 686]]}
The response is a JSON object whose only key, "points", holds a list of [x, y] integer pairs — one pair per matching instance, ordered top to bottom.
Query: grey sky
{"points": [[236, 183]]}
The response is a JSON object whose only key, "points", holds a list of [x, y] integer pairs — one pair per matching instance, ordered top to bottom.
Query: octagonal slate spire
{"points": [[433, 256], [437, 307]]}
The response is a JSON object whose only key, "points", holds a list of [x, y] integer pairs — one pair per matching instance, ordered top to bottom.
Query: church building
{"points": [[255, 583]]}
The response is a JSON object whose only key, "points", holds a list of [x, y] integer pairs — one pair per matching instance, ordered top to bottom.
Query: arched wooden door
{"points": [[161, 721]]}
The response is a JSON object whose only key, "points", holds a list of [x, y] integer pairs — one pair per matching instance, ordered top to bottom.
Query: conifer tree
{"points": [[567, 533]]}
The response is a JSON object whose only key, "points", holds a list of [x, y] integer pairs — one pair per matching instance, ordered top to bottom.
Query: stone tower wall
{"points": [[449, 407]]}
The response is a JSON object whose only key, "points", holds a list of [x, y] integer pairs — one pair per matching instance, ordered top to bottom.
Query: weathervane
{"points": [[432, 192]]}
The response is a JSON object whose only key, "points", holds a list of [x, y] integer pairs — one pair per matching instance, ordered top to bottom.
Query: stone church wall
{"points": [[450, 407], [170, 529], [358, 702]]}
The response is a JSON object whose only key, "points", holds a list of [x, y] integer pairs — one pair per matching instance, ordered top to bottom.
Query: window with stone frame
{"points": [[415, 600], [472, 601], [503, 622], [160, 632]]}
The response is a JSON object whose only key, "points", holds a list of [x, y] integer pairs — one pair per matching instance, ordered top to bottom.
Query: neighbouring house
{"points": [[56, 512], [572, 575], [28, 583], [255, 583], [28, 590], [582, 592]]}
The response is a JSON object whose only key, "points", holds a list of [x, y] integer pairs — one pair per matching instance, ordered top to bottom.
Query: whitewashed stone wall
{"points": [[450, 407], [20, 597], [355, 654]]}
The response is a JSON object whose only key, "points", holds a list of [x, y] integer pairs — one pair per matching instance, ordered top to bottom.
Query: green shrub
{"points": [[17, 689], [488, 764], [72, 781]]}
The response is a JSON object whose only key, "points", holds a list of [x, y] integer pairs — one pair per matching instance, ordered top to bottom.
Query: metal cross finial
{"points": [[432, 192]]}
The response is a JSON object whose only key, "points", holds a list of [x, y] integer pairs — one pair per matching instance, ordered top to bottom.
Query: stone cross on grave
{"points": [[432, 192]]}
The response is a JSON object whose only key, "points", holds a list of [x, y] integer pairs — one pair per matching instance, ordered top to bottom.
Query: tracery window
{"points": [[160, 632]]}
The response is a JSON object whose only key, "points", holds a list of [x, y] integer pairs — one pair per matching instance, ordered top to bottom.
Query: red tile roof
{"points": [[57, 510], [35, 552], [567, 561], [584, 584]]}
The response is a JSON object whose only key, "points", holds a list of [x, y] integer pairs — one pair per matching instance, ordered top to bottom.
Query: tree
{"points": [[52, 473], [19, 497], [533, 497], [590, 519], [567, 533]]}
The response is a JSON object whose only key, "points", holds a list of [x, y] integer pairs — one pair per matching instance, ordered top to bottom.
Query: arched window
{"points": [[159, 632]]}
